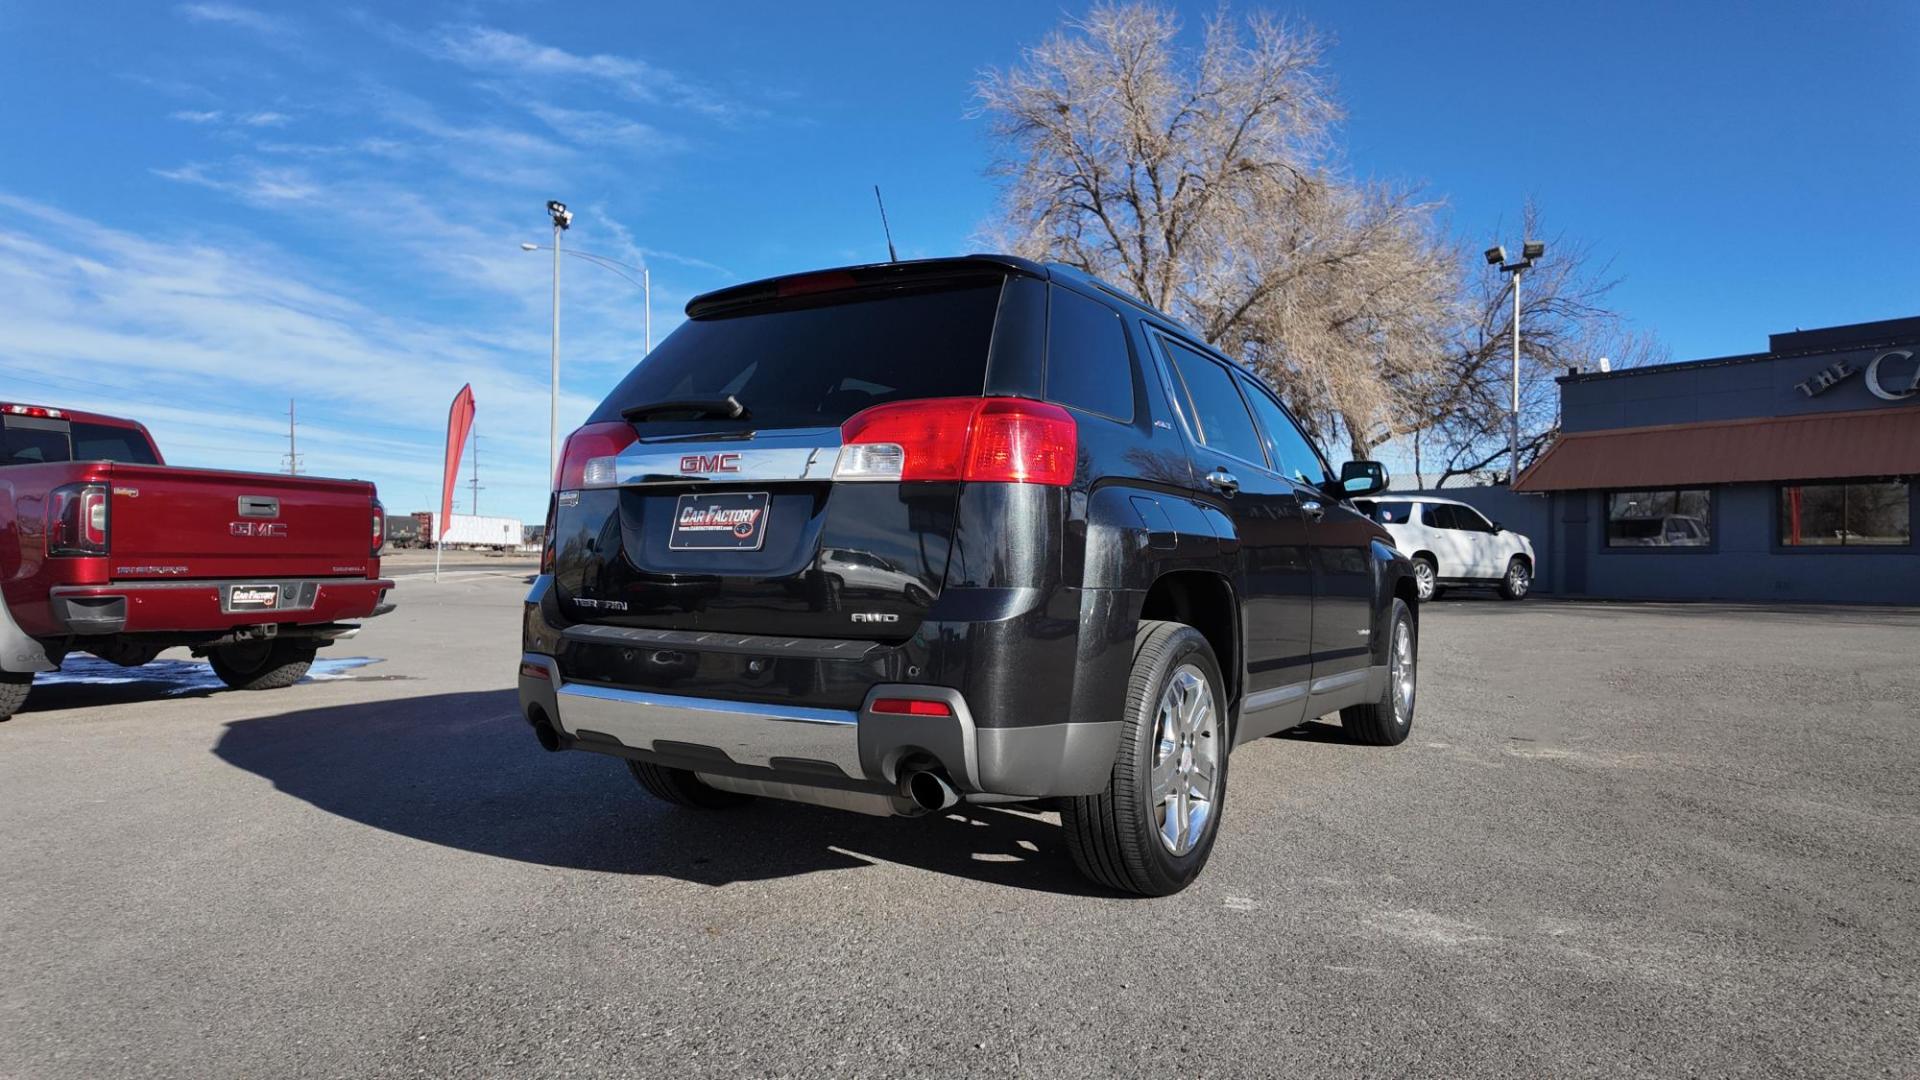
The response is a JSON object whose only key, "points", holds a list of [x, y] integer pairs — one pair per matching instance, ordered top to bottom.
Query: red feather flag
{"points": [[459, 423]]}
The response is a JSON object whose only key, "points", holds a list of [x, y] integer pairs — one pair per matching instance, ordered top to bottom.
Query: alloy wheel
{"points": [[1400, 672], [1186, 760]]}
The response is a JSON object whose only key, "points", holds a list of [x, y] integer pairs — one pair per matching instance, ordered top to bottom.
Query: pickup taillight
{"points": [[77, 520], [379, 527]]}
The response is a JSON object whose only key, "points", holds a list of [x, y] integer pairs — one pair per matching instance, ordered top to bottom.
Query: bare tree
{"points": [[1205, 181], [1565, 323]]}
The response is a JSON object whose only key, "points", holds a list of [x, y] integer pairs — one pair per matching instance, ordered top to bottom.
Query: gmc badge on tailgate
{"points": [[257, 528]]}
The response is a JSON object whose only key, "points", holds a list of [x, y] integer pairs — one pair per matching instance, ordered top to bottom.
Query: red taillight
{"points": [[808, 284], [1010, 440], [588, 461], [77, 520], [379, 527], [534, 671], [911, 707]]}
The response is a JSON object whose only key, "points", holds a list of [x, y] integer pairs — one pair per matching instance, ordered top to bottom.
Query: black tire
{"points": [[1426, 578], [1517, 582], [268, 664], [14, 687], [1386, 722], [682, 788], [1115, 836]]}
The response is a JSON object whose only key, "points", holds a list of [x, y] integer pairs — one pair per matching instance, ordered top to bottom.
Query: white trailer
{"points": [[478, 531]]}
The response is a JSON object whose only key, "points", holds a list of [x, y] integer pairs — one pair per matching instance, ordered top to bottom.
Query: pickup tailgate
{"points": [[174, 524]]}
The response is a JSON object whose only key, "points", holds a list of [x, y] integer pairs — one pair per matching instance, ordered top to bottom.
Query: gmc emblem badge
{"points": [[709, 463], [257, 528]]}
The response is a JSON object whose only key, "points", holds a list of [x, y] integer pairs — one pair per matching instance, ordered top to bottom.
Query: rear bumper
{"points": [[195, 606], [858, 750]]}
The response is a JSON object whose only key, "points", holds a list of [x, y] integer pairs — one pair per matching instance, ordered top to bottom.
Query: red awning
{"points": [[1876, 442]]}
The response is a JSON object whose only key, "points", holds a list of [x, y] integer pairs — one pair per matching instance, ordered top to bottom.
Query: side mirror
{"points": [[1359, 478], [1499, 528]]}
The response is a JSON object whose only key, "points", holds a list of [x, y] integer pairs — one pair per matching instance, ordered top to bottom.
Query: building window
{"points": [[1853, 513], [1681, 518]]}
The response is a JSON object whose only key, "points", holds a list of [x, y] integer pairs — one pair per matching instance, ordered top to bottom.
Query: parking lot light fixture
{"points": [[1530, 251]]}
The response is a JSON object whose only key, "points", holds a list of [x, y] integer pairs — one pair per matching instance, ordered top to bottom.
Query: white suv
{"points": [[1452, 544]]}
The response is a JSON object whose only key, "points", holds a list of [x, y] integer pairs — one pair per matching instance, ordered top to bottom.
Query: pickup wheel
{"points": [[268, 664], [14, 686], [1386, 722], [682, 788], [1151, 830]]}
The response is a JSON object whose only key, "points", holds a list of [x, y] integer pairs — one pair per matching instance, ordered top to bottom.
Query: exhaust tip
{"points": [[544, 730], [931, 792]]}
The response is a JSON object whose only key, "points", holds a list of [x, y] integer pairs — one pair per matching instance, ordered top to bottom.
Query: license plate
{"points": [[723, 521], [253, 597]]}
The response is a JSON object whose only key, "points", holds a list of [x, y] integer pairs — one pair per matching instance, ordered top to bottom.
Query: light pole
{"points": [[562, 220], [1530, 251], [645, 282]]}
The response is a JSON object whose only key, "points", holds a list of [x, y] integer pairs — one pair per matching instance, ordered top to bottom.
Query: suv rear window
{"points": [[816, 365]]}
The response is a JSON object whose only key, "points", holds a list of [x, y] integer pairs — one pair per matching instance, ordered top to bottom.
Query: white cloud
{"points": [[233, 15], [497, 52], [195, 116], [265, 119], [210, 341]]}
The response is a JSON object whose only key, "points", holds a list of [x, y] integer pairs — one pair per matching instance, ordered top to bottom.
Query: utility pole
{"points": [[293, 445]]}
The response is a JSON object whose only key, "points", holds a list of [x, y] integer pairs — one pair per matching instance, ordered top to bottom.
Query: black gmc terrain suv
{"points": [[896, 537]]}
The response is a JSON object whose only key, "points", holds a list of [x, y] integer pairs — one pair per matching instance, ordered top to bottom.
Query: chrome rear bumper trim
{"points": [[746, 732]]}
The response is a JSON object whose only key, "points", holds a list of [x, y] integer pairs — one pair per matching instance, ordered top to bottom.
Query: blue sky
{"points": [[207, 208]]}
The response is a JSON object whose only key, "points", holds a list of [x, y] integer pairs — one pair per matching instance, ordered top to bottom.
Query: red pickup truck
{"points": [[105, 549]]}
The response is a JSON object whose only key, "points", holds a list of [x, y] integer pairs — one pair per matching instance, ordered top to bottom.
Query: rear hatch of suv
{"points": [[788, 462]]}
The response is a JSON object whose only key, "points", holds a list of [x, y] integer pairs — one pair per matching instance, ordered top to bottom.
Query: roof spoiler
{"points": [[872, 275]]}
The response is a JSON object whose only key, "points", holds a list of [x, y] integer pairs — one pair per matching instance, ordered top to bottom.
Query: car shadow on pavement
{"points": [[464, 771]]}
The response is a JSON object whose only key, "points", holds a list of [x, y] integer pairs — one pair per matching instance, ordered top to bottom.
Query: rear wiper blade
{"points": [[726, 408]]}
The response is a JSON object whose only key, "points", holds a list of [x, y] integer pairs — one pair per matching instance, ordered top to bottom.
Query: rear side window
{"points": [[816, 365], [1088, 366], [1212, 406], [109, 442], [1293, 455], [1393, 513]]}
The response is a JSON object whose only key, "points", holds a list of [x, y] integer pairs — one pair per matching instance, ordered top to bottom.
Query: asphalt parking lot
{"points": [[1623, 840]]}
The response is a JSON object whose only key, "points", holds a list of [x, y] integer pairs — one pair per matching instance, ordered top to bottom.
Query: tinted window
{"points": [[816, 365], [1088, 365], [1213, 405], [30, 441], [108, 442], [1293, 456], [1390, 513], [1440, 516], [1677, 518], [1471, 519]]}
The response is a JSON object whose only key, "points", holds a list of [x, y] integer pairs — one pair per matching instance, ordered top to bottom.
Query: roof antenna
{"points": [[891, 257]]}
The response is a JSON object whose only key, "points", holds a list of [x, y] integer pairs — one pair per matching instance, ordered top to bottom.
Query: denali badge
{"points": [[709, 463], [257, 528], [874, 616]]}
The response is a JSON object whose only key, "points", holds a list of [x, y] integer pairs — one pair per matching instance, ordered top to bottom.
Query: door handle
{"points": [[1226, 482], [1312, 508]]}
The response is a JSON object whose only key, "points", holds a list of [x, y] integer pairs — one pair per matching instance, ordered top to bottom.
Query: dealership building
{"points": [[1786, 475]]}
